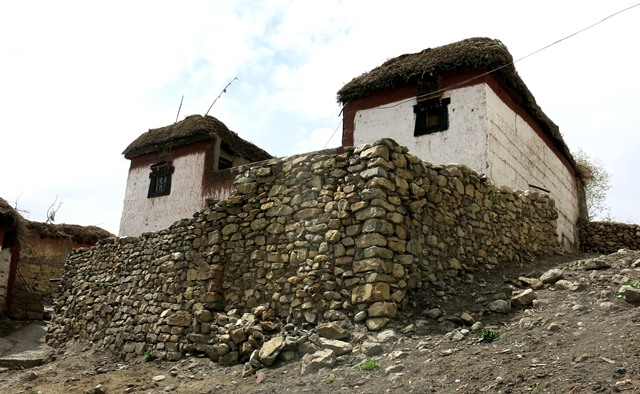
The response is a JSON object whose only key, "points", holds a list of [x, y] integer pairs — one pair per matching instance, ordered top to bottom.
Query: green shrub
{"points": [[631, 283], [488, 335], [150, 355], [368, 365]]}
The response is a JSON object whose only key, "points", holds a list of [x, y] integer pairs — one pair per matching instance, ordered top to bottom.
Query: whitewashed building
{"points": [[465, 103], [175, 169]]}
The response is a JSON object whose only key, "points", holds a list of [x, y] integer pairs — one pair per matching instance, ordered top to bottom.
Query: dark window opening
{"points": [[432, 115], [223, 164], [160, 179]]}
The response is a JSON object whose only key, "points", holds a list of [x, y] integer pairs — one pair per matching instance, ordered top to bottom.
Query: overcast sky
{"points": [[80, 80]]}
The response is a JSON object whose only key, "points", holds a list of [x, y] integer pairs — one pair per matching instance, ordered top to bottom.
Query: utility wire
{"points": [[511, 63], [334, 133]]}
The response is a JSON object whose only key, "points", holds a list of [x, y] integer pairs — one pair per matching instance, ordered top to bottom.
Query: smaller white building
{"points": [[465, 103], [175, 169]]}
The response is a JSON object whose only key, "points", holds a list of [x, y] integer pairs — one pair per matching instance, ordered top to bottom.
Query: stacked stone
{"points": [[467, 223], [326, 236], [608, 237]]}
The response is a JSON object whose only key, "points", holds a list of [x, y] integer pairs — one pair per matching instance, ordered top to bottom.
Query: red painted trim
{"points": [[464, 79], [374, 100], [146, 160]]}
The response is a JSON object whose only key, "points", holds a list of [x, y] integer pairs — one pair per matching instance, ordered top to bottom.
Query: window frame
{"points": [[431, 107], [161, 174]]}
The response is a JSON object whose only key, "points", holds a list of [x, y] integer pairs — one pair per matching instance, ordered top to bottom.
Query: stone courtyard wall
{"points": [[609, 237], [305, 239]]}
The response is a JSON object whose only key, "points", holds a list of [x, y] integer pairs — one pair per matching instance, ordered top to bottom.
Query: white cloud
{"points": [[80, 80]]}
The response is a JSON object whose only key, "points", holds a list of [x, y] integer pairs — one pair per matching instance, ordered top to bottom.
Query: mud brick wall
{"points": [[608, 237], [303, 239], [42, 259]]}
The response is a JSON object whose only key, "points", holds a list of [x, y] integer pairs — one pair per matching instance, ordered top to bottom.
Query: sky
{"points": [[81, 80]]}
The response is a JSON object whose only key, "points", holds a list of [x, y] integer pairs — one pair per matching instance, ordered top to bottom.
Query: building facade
{"points": [[465, 103], [175, 169]]}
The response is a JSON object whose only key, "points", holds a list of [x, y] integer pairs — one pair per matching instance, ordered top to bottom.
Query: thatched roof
{"points": [[466, 55], [191, 129], [9, 217], [11, 222], [16, 225], [82, 234]]}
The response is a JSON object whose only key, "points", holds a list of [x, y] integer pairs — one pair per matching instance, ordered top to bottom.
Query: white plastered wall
{"points": [[485, 135], [464, 142], [519, 158], [142, 214]]}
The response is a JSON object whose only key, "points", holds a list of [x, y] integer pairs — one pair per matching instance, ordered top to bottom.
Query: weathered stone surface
{"points": [[375, 151], [280, 210], [589, 265], [552, 276], [534, 283], [563, 284], [371, 292], [630, 294], [524, 298], [500, 306], [383, 309], [433, 313], [360, 317], [180, 318], [467, 319], [376, 323], [331, 331], [238, 335], [387, 336], [338, 347], [370, 348], [270, 350], [230, 358], [312, 363]]}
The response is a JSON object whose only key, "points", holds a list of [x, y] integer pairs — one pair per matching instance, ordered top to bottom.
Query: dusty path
{"points": [[578, 336], [25, 347]]}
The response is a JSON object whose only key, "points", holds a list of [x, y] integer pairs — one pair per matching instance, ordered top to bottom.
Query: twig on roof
{"points": [[223, 91], [179, 108]]}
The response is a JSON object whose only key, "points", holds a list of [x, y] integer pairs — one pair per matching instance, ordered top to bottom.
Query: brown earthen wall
{"points": [[42, 259]]}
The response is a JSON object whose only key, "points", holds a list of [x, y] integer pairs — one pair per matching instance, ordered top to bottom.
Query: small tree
{"points": [[597, 183], [51, 212]]}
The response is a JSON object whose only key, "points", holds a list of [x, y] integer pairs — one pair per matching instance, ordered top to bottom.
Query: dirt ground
{"points": [[580, 339]]}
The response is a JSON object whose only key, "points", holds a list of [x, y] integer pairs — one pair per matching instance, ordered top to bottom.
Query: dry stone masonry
{"points": [[334, 236], [608, 237]]}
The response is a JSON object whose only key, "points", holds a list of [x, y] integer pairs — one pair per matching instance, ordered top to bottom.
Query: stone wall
{"points": [[326, 236], [608, 237]]}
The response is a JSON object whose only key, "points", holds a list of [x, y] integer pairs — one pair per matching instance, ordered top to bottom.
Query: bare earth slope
{"points": [[578, 336]]}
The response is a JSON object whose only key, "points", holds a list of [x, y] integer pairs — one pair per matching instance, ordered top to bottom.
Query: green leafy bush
{"points": [[631, 283], [488, 335], [150, 355], [368, 365]]}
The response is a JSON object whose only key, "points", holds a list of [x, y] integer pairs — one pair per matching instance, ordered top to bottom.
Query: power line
{"points": [[512, 62], [334, 133]]}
